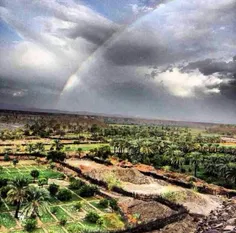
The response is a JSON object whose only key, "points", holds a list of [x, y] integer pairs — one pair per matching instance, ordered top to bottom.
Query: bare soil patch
{"points": [[134, 181], [137, 210], [187, 225]]}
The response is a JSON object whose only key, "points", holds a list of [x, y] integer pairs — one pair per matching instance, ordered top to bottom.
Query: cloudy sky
{"points": [[167, 59]]}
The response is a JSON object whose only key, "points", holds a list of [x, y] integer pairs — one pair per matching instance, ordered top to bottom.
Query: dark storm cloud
{"points": [[97, 34], [67, 38], [140, 48], [125, 54], [210, 66], [225, 69]]}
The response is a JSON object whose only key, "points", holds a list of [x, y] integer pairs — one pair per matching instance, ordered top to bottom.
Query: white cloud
{"points": [[136, 9], [46, 50], [192, 84]]}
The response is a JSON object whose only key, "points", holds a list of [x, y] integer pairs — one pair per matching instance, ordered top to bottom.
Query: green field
{"points": [[10, 172], [56, 209]]}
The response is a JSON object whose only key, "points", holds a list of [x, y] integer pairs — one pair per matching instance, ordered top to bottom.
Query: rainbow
{"points": [[99, 51]]}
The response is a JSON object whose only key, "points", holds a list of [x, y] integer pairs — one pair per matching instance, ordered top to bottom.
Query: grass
{"points": [[84, 147], [45, 172], [174, 196], [63, 209], [60, 213], [47, 218], [7, 220], [112, 221], [56, 228]]}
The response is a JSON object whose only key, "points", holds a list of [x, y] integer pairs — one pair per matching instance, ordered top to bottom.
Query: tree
{"points": [[57, 145], [39, 147], [30, 148], [80, 150], [56, 156], [6, 157], [195, 159], [15, 161], [38, 161], [211, 165], [231, 173], [34, 174], [42, 182], [76, 184], [53, 189], [87, 190], [17, 192], [64, 195], [37, 201], [104, 203], [78, 206], [92, 217], [30, 224]]}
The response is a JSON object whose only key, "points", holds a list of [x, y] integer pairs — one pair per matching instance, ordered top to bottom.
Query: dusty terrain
{"points": [[132, 180], [144, 211], [223, 219], [187, 225]]}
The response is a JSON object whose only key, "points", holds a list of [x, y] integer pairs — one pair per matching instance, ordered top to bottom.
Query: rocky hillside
{"points": [[221, 220]]}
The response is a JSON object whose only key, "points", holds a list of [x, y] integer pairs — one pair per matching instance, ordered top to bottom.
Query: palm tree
{"points": [[57, 145], [39, 147], [30, 148], [177, 159], [195, 159], [211, 165], [231, 173], [17, 193], [37, 201]]}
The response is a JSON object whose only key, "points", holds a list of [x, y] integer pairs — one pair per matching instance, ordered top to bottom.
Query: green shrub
{"points": [[56, 156], [6, 157], [15, 161], [167, 168], [34, 174], [42, 181], [112, 181], [3, 182], [76, 184], [53, 189], [87, 190], [4, 191], [64, 195], [174, 196], [104, 203], [113, 204], [78, 206], [54, 209], [92, 217], [63, 221], [100, 222], [30, 224], [74, 228]]}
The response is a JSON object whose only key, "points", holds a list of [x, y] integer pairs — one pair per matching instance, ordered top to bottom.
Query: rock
{"points": [[231, 221], [218, 225], [229, 228], [212, 231]]}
